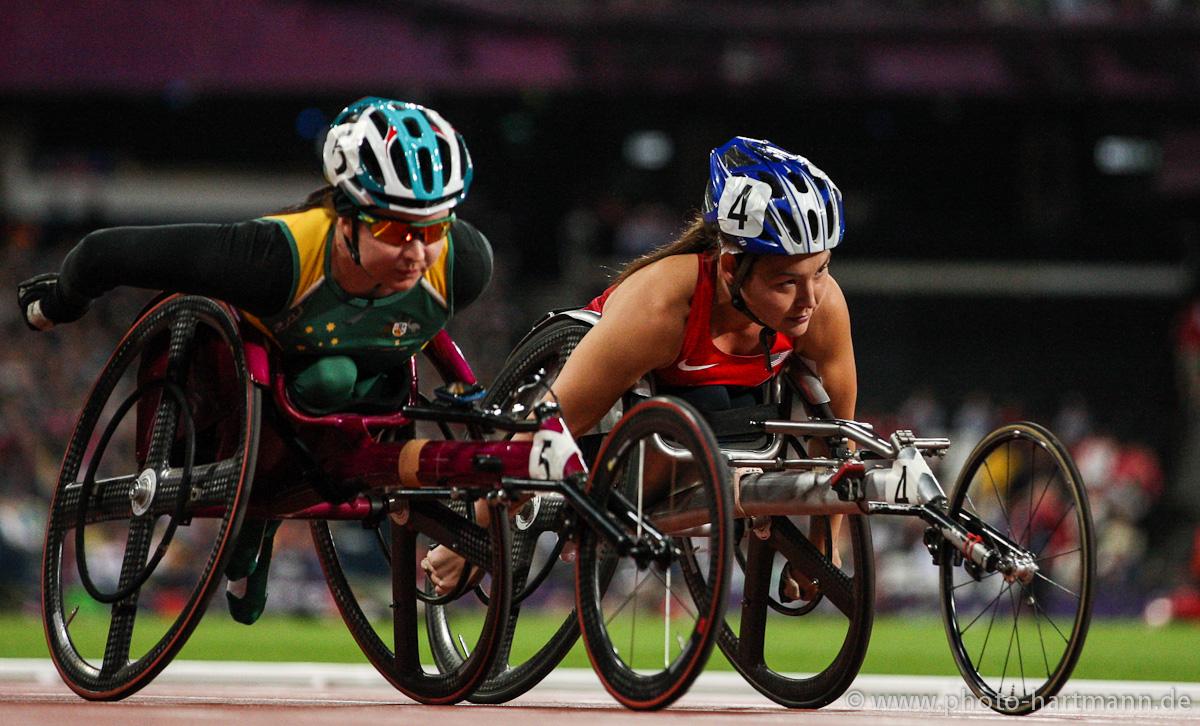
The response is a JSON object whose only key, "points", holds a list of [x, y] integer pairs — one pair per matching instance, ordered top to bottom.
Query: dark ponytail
{"points": [[323, 197]]}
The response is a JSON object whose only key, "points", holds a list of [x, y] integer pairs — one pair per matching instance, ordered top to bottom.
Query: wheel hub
{"points": [[141, 494], [528, 514], [1022, 569]]}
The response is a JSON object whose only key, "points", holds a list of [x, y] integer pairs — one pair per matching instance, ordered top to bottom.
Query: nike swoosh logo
{"points": [[683, 366]]}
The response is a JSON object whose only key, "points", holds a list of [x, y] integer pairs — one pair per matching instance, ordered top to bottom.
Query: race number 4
{"points": [[743, 206], [737, 212], [901, 495]]}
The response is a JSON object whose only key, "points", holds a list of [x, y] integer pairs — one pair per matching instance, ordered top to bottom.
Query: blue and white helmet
{"points": [[397, 156], [772, 202]]}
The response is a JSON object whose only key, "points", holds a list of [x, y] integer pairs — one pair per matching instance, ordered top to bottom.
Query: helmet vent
{"points": [[379, 122], [412, 127], [396, 152], [462, 152], [367, 156], [446, 157], [735, 158], [425, 164], [772, 181], [799, 182], [813, 224], [791, 226]]}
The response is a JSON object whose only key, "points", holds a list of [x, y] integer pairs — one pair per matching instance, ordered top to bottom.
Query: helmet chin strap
{"points": [[344, 207], [351, 242], [766, 336]]}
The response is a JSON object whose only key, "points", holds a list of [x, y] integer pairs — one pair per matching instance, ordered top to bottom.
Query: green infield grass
{"points": [[914, 645]]}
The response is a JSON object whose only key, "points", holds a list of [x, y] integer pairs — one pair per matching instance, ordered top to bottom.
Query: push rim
{"points": [[203, 474]]}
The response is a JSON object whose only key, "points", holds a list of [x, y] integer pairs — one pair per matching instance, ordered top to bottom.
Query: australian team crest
{"points": [[399, 329]]}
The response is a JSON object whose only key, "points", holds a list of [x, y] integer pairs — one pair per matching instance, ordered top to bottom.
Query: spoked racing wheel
{"points": [[150, 497], [648, 628], [1017, 635]]}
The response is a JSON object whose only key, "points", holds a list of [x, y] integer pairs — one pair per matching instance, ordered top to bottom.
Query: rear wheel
{"points": [[150, 497], [375, 576], [649, 629], [833, 629]]}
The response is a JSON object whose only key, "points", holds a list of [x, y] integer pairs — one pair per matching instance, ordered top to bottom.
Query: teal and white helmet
{"points": [[396, 156]]}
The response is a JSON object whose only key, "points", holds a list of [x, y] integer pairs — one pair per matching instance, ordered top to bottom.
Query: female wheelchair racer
{"points": [[372, 267], [349, 284], [716, 313], [698, 319]]}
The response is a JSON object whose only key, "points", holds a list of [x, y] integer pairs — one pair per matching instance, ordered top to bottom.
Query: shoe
{"points": [[246, 591]]}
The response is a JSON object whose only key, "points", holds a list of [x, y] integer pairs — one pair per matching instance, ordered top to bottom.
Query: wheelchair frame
{"points": [[350, 472], [883, 477]]}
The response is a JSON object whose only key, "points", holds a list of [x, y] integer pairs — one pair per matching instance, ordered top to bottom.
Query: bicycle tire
{"points": [[189, 345], [545, 350], [620, 473], [1041, 596]]}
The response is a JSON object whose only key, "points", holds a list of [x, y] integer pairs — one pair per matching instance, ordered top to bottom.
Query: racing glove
{"points": [[44, 303]]}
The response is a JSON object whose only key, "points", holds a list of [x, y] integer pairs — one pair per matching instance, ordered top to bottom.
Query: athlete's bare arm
{"points": [[642, 329]]}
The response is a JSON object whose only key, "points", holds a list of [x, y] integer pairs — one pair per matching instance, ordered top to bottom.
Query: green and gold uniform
{"points": [[340, 352]]}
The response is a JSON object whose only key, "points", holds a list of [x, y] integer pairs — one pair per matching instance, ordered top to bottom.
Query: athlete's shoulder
{"points": [[312, 216], [307, 232], [671, 276]]}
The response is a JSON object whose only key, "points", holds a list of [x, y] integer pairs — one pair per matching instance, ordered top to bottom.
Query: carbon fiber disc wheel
{"points": [[149, 499], [374, 575], [846, 608], [648, 628], [1016, 639]]}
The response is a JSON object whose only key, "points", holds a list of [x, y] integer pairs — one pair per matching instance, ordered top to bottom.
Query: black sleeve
{"points": [[472, 263], [247, 264]]}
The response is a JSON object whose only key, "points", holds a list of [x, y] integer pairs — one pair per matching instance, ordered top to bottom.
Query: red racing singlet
{"points": [[700, 363]]}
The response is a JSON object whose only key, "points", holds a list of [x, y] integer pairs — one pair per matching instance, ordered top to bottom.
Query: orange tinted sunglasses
{"points": [[396, 232]]}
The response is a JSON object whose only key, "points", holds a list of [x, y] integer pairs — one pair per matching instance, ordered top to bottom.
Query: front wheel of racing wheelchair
{"points": [[660, 476], [150, 497], [1016, 631], [639, 674]]}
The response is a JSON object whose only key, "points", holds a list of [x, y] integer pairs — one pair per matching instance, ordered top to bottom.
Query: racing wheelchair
{"points": [[190, 432], [1012, 542]]}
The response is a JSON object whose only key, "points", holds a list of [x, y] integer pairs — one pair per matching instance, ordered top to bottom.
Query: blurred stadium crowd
{"points": [[1018, 134]]}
